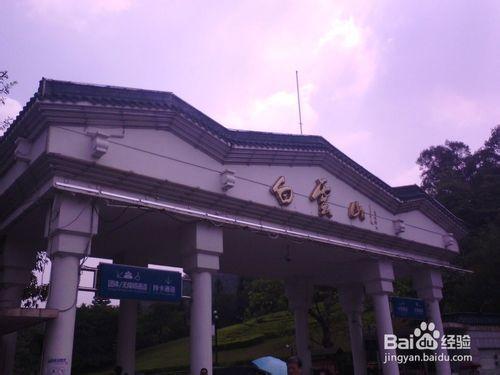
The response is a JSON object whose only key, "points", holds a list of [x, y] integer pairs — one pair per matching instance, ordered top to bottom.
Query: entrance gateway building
{"points": [[142, 177]]}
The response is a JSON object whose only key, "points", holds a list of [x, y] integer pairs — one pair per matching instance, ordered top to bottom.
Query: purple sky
{"points": [[380, 80]]}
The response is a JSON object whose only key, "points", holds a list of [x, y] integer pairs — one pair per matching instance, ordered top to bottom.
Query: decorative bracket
{"points": [[100, 144], [227, 180], [399, 227]]}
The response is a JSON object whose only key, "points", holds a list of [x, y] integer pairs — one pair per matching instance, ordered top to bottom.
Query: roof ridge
{"points": [[99, 85], [135, 97]]}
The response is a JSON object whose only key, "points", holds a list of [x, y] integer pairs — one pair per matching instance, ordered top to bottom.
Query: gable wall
{"points": [[157, 160]]}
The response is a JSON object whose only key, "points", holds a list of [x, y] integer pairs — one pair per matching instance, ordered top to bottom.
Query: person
{"points": [[294, 366], [118, 370], [203, 371]]}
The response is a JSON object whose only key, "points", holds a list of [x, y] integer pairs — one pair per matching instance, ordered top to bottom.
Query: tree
{"points": [[5, 86], [445, 177], [468, 184], [35, 293], [265, 297], [99, 301], [324, 301], [161, 322], [96, 329]]}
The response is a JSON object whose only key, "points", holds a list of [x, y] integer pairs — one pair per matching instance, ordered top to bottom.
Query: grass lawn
{"points": [[268, 335]]}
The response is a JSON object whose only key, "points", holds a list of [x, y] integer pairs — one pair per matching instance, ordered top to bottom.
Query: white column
{"points": [[71, 224], [201, 246], [16, 260], [379, 277], [429, 286], [299, 292], [352, 302], [127, 319], [127, 326], [200, 344], [58, 345]]}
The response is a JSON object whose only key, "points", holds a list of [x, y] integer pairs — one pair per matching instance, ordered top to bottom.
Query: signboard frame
{"points": [[121, 281], [408, 308]]}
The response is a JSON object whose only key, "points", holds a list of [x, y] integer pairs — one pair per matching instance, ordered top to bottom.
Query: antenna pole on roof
{"points": [[298, 99]]}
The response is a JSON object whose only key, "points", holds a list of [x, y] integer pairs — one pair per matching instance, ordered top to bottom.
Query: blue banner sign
{"points": [[127, 282], [409, 308]]}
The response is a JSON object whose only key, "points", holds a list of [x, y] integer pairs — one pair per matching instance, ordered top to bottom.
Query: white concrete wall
{"points": [[38, 147], [123, 154]]}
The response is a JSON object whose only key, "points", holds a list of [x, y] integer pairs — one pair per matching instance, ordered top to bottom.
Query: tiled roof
{"points": [[64, 91], [71, 92], [139, 98], [409, 192]]}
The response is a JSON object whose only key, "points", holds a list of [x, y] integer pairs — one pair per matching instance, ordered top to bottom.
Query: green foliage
{"points": [[5, 85], [444, 176], [468, 184], [404, 287], [480, 291], [35, 293], [264, 297], [98, 301], [325, 303], [229, 305], [161, 322], [270, 334], [95, 337], [237, 342], [241, 345], [29, 350]]}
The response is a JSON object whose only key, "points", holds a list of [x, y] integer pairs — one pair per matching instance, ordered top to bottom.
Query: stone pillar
{"points": [[71, 223], [202, 244], [16, 261], [379, 277], [429, 287], [299, 292], [352, 302], [127, 320], [201, 322], [127, 326]]}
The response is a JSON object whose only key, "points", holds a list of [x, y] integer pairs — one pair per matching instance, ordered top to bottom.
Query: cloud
{"points": [[109, 6], [82, 7], [76, 14], [343, 32], [346, 56], [336, 58], [10, 109], [455, 110], [277, 112], [351, 139], [408, 177]]}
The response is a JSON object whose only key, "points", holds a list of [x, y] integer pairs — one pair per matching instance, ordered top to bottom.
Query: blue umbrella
{"points": [[272, 365]]}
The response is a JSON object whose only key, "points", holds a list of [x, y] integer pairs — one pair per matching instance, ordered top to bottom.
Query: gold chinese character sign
{"points": [[321, 193], [283, 194], [355, 210]]}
